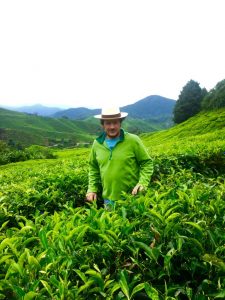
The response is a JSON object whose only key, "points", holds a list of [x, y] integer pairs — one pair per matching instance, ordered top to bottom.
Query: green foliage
{"points": [[215, 98], [189, 102], [203, 133], [39, 152], [9, 155], [162, 244], [165, 244]]}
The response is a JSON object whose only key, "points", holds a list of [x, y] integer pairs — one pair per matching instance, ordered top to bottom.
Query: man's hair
{"points": [[102, 121]]}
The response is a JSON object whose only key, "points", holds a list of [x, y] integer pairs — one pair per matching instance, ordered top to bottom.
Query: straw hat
{"points": [[111, 113]]}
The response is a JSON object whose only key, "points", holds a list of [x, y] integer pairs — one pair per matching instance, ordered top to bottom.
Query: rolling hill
{"points": [[78, 125], [26, 129], [205, 133]]}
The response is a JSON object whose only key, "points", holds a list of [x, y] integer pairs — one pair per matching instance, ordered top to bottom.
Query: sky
{"points": [[85, 53]]}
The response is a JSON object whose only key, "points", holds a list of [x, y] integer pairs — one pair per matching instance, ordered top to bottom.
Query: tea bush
{"points": [[9, 155], [165, 244]]}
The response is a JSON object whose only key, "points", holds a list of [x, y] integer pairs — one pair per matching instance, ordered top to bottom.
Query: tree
{"points": [[215, 98], [189, 101]]}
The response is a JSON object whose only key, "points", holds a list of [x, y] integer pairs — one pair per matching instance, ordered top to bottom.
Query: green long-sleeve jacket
{"points": [[120, 169]]}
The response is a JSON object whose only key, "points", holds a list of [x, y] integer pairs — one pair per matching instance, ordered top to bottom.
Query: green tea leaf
{"points": [[195, 225], [44, 241], [153, 254], [81, 275], [124, 285], [47, 287], [137, 288], [151, 292], [30, 295]]}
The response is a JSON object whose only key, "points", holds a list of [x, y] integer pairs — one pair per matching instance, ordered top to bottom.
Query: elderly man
{"points": [[118, 162]]}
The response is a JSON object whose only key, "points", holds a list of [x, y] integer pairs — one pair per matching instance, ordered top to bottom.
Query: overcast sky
{"points": [[96, 52]]}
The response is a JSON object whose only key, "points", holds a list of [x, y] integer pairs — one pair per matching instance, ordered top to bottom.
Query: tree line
{"points": [[194, 99]]}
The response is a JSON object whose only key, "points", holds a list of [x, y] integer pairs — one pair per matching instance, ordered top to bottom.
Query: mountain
{"points": [[152, 107], [36, 109], [79, 113]]}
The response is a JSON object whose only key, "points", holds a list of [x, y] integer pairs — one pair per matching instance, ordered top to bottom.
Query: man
{"points": [[118, 161]]}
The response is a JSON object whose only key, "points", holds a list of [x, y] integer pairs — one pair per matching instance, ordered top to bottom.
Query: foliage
{"points": [[215, 98], [189, 102], [203, 133], [9, 155], [165, 244]]}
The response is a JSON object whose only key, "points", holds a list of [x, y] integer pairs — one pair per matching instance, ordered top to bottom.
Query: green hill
{"points": [[153, 107], [28, 129], [204, 132]]}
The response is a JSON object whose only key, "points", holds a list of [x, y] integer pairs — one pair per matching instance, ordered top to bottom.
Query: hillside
{"points": [[152, 107], [27, 129], [31, 129], [204, 132]]}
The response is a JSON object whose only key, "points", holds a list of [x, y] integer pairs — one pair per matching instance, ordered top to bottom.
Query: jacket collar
{"points": [[102, 137]]}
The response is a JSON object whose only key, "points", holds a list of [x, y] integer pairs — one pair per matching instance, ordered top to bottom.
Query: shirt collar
{"points": [[102, 137]]}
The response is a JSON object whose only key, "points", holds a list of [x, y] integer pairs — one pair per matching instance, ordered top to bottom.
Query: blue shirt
{"points": [[111, 143]]}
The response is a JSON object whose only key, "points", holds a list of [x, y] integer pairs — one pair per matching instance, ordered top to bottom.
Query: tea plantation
{"points": [[166, 244]]}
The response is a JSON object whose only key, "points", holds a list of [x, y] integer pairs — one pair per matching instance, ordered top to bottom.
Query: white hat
{"points": [[111, 113]]}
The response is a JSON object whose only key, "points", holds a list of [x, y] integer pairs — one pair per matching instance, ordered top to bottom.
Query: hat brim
{"points": [[123, 115]]}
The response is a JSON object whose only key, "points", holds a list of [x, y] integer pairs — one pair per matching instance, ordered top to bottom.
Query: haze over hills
{"points": [[151, 107], [37, 109], [79, 113]]}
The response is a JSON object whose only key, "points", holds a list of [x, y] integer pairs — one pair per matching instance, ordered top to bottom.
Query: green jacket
{"points": [[120, 169]]}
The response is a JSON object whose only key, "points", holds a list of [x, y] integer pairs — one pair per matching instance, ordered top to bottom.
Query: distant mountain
{"points": [[152, 107], [36, 109], [79, 113]]}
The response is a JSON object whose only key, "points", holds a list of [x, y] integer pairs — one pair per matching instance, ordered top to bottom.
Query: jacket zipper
{"points": [[111, 150], [110, 156]]}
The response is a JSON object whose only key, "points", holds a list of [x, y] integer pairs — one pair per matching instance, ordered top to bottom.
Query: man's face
{"points": [[112, 128]]}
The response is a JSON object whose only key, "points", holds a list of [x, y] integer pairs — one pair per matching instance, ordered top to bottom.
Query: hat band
{"points": [[111, 116]]}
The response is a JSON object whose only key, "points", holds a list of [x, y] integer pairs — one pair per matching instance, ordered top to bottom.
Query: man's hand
{"points": [[137, 188], [91, 196]]}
